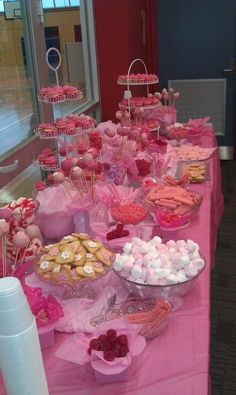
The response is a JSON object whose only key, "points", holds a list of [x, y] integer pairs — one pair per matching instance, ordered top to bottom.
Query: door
{"points": [[196, 56]]}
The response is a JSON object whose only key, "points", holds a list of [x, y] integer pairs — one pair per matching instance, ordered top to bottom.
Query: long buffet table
{"points": [[177, 361]]}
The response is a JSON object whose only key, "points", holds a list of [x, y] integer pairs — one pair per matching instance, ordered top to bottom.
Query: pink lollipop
{"points": [[5, 213], [21, 240]]}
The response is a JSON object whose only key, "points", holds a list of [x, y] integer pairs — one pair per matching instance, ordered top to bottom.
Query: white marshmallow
{"points": [[137, 241], [155, 241], [171, 243], [180, 243], [191, 246], [144, 247], [127, 248], [172, 250], [195, 254], [175, 257], [164, 258], [184, 260], [199, 262], [155, 264], [118, 265], [191, 270], [136, 271], [160, 273], [181, 277], [171, 279], [153, 280], [140, 281]]}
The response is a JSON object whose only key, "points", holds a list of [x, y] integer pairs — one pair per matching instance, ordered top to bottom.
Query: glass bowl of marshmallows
{"points": [[156, 269]]}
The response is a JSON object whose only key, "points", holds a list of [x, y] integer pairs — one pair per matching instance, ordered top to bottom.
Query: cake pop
{"points": [[58, 177], [33, 231]]}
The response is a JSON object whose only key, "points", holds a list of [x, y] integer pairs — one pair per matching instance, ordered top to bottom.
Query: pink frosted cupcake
{"points": [[71, 92], [60, 125], [46, 130]]}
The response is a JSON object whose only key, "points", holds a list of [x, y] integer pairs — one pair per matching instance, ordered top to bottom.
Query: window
{"points": [[50, 3]]}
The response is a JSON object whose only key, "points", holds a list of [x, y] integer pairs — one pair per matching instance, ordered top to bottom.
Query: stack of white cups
{"points": [[21, 360]]}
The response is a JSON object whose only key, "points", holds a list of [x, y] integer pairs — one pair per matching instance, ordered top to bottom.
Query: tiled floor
{"points": [[223, 308]]}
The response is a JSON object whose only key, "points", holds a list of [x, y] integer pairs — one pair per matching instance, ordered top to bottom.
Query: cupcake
{"points": [[47, 130]]}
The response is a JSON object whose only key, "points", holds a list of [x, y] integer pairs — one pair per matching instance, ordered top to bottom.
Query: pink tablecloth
{"points": [[176, 362]]}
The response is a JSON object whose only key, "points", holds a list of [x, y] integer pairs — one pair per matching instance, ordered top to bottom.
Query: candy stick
{"points": [[175, 97], [4, 229]]}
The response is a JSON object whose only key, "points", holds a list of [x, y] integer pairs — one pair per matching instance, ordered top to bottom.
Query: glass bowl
{"points": [[159, 291]]}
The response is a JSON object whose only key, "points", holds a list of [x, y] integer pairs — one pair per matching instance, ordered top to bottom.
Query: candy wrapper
{"points": [[46, 310], [75, 349]]}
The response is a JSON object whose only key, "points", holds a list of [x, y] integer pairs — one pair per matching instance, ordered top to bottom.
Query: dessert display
{"points": [[138, 79], [57, 94], [142, 101], [189, 152], [196, 172], [173, 198], [74, 259], [158, 263], [112, 345]]}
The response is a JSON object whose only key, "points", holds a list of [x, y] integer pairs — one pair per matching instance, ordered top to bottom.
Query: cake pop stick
{"points": [[171, 92], [175, 97], [76, 174], [4, 229], [20, 241]]}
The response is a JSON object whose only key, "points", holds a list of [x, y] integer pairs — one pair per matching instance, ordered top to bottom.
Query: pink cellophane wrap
{"points": [[166, 115], [198, 122], [53, 216], [46, 310], [79, 311], [75, 348]]}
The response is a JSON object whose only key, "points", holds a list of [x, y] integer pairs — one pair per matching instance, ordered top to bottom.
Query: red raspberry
{"points": [[111, 333], [102, 338], [123, 340], [95, 344], [106, 346], [116, 348], [124, 350], [89, 351], [109, 355]]}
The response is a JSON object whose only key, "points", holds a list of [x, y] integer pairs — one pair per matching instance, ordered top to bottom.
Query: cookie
{"points": [[81, 236], [68, 239], [74, 245], [91, 245], [49, 247], [52, 254], [104, 255], [65, 256], [90, 257], [79, 259], [44, 266], [56, 267], [98, 267], [86, 270], [63, 276]]}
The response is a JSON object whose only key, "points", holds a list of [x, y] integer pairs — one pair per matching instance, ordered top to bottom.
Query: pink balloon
{"points": [[21, 240]]}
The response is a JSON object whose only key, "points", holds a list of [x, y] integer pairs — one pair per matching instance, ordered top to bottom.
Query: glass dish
{"points": [[159, 291]]}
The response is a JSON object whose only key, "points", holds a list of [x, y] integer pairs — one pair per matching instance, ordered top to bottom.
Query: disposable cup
{"points": [[11, 293], [15, 321]]}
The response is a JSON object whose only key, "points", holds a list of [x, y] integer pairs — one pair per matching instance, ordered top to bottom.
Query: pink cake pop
{"points": [[119, 115], [123, 130], [110, 132], [93, 152], [87, 158], [74, 161], [80, 162], [66, 165], [76, 172], [58, 177], [5, 213], [4, 227], [33, 231], [21, 240]]}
